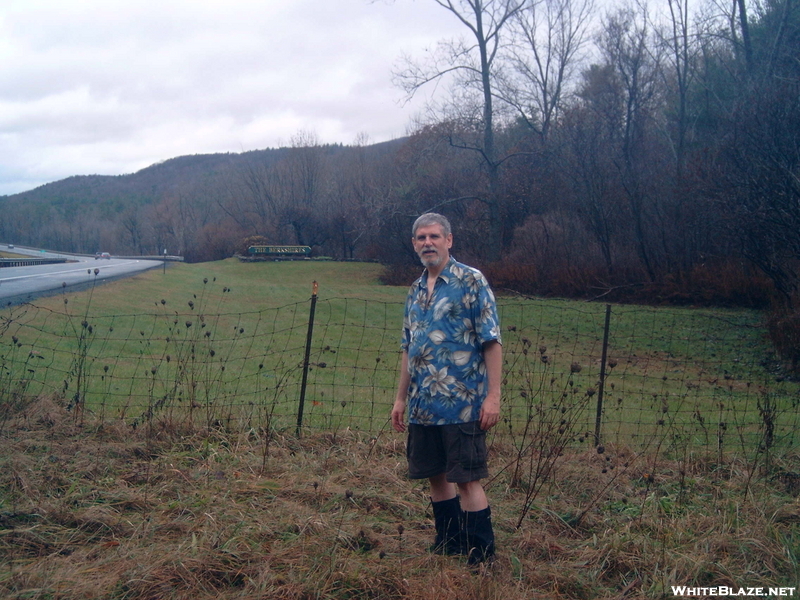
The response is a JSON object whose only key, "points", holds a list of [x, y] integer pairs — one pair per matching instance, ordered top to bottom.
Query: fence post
{"points": [[306, 359], [599, 416]]}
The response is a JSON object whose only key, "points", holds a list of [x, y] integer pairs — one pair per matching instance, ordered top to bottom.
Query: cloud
{"points": [[111, 86]]}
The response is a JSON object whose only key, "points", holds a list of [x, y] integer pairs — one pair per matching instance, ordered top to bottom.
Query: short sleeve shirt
{"points": [[444, 337]]}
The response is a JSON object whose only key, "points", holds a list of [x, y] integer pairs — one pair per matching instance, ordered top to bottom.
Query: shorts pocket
{"points": [[472, 454]]}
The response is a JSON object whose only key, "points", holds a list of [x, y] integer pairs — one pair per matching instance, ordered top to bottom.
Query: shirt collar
{"points": [[445, 275]]}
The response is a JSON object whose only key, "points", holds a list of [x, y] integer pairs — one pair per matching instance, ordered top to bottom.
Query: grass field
{"points": [[137, 324], [225, 342], [148, 447], [108, 513]]}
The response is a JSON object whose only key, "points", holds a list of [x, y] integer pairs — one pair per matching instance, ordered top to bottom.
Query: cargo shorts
{"points": [[458, 451]]}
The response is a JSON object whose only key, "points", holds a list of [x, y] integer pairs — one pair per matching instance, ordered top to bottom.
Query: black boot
{"points": [[447, 516], [479, 536]]}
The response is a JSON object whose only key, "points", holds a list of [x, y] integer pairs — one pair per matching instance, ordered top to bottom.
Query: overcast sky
{"points": [[111, 86]]}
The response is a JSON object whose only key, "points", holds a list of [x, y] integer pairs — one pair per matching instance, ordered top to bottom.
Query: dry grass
{"points": [[159, 513]]}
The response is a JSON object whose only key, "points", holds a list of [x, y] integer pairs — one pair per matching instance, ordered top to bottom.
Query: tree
{"points": [[548, 38], [625, 43], [681, 54], [472, 62], [589, 167], [757, 167], [302, 174], [357, 189], [257, 202], [134, 226]]}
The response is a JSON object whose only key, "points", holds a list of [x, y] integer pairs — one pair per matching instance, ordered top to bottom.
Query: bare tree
{"points": [[744, 24], [736, 30], [548, 37], [625, 43], [681, 49], [472, 62], [306, 165], [589, 170], [302, 175], [357, 192], [260, 193], [194, 210], [133, 224]]}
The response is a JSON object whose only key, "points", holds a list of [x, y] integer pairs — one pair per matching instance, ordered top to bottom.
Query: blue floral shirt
{"points": [[444, 337]]}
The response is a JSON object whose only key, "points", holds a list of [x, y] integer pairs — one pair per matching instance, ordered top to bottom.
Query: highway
{"points": [[23, 284]]}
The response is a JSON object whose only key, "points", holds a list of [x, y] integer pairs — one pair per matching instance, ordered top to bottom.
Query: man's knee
{"points": [[469, 487], [441, 489], [473, 496]]}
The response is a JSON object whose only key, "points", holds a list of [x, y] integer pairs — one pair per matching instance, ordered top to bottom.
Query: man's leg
{"points": [[426, 454], [441, 489], [473, 498], [447, 517], [477, 522]]}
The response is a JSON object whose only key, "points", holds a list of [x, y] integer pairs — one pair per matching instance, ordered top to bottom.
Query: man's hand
{"points": [[399, 408], [490, 411], [399, 415]]}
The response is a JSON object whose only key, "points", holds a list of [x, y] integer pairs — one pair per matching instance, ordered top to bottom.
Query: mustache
{"points": [[431, 258]]}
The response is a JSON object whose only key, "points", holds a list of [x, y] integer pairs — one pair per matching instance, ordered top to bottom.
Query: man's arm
{"points": [[399, 408], [490, 409]]}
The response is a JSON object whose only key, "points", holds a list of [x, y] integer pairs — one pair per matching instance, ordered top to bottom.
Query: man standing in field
{"points": [[450, 383]]}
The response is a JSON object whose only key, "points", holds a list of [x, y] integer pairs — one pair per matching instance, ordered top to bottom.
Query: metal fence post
{"points": [[306, 359], [599, 415]]}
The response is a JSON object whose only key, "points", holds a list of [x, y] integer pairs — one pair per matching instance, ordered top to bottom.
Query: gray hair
{"points": [[431, 218]]}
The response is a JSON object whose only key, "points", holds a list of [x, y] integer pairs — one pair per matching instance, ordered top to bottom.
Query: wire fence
{"points": [[686, 380]]}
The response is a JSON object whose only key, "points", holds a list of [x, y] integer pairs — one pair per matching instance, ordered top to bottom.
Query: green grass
{"points": [[253, 285], [251, 316], [224, 344], [181, 477], [103, 512]]}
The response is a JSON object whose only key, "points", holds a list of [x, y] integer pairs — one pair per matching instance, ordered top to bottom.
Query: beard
{"points": [[431, 260]]}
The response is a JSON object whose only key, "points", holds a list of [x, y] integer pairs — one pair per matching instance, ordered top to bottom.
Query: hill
{"points": [[171, 175], [170, 203]]}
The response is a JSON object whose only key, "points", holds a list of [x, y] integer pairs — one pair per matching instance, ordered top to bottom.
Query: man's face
{"points": [[432, 246]]}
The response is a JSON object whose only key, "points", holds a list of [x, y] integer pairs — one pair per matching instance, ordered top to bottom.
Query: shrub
{"points": [[784, 333]]}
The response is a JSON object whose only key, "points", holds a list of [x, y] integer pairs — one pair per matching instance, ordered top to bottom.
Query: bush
{"points": [[253, 240], [400, 274], [784, 333]]}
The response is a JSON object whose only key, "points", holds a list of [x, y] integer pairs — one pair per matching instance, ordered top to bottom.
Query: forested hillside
{"points": [[649, 154]]}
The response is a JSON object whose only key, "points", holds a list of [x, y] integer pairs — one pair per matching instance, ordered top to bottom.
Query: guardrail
{"points": [[168, 258], [30, 262]]}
